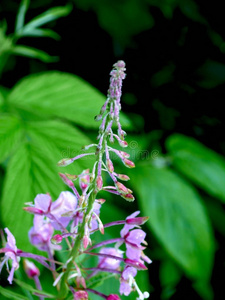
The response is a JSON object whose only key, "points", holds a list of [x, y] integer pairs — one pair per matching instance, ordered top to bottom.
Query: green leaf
{"points": [[21, 14], [48, 16], [39, 32], [33, 53], [212, 74], [55, 94], [10, 135], [60, 140], [200, 164], [29, 172], [178, 219], [99, 279], [11, 295]]}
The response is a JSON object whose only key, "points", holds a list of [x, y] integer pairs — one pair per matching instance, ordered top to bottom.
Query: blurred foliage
{"points": [[45, 116]]}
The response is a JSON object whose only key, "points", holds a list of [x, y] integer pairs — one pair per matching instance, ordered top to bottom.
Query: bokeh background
{"points": [[173, 112]]}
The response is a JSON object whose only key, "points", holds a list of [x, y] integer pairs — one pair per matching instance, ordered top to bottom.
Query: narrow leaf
{"points": [[21, 14], [48, 16], [39, 32], [33, 53], [200, 164], [178, 219], [33, 290], [11, 295]]}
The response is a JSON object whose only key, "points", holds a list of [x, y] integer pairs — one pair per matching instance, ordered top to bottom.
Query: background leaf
{"points": [[55, 94], [10, 135], [200, 164], [178, 219]]}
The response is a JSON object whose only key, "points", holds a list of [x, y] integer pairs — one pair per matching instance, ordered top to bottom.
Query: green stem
{"points": [[81, 231]]}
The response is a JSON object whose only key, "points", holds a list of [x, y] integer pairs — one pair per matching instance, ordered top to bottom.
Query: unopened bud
{"points": [[98, 117], [123, 143], [124, 154], [65, 162], [128, 163], [109, 165], [71, 176], [123, 177], [67, 181], [99, 182], [121, 188], [128, 197], [100, 201], [34, 210], [137, 221], [56, 239], [85, 241], [133, 263], [30, 269], [80, 295], [113, 297]]}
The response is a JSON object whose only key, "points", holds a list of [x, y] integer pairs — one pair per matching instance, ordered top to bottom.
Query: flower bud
{"points": [[98, 117], [123, 143], [124, 154], [65, 162], [128, 163], [109, 165], [71, 176], [123, 177], [67, 181], [99, 182], [121, 188], [128, 197], [34, 210], [137, 221], [56, 239], [136, 264], [30, 269], [80, 295], [113, 297]]}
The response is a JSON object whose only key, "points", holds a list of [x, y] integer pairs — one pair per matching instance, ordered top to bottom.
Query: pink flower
{"points": [[40, 234], [134, 238], [10, 251], [108, 262], [80, 295]]}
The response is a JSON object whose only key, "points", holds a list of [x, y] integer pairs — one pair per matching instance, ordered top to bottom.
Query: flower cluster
{"points": [[75, 216]]}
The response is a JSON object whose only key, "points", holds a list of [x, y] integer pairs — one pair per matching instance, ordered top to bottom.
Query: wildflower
{"points": [[40, 234], [10, 251], [108, 262], [30, 268], [80, 295]]}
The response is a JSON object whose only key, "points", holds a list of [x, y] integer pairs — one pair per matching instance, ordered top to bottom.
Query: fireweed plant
{"points": [[76, 216]]}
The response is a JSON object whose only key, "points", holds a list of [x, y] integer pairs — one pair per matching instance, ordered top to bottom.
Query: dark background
{"points": [[175, 73]]}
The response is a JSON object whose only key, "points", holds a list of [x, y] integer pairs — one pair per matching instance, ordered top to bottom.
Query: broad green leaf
{"points": [[21, 14], [48, 16], [33, 53], [55, 94], [10, 135], [60, 140], [200, 164], [29, 172], [178, 219], [11, 295]]}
